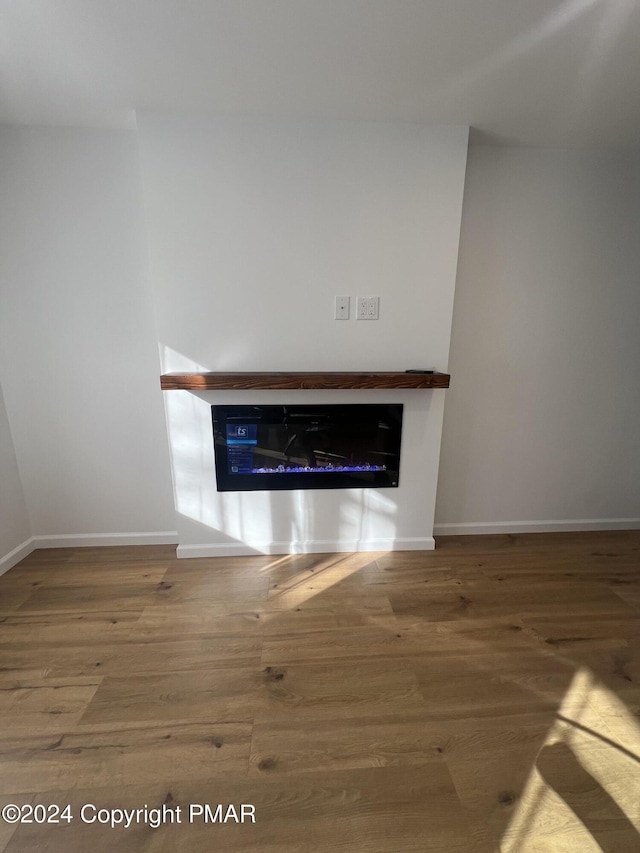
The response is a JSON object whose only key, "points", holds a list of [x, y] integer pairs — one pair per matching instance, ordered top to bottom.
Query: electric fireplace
{"points": [[259, 448]]}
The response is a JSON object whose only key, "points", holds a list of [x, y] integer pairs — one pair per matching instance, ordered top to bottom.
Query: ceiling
{"points": [[562, 73]]}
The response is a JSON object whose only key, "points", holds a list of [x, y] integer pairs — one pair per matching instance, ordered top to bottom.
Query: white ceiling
{"points": [[529, 72]]}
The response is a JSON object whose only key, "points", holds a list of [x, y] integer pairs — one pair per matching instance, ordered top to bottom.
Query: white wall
{"points": [[254, 226], [78, 353], [541, 423], [14, 520]]}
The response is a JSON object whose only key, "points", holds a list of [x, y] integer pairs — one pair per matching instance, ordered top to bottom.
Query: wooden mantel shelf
{"points": [[241, 381]]}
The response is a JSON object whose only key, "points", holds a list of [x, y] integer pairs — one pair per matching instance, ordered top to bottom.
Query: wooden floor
{"points": [[482, 697]]}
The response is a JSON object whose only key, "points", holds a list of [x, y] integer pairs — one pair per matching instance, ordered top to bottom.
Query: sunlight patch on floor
{"points": [[327, 573], [586, 780]]}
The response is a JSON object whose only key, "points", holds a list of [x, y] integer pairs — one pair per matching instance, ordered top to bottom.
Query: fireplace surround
{"points": [[281, 521]]}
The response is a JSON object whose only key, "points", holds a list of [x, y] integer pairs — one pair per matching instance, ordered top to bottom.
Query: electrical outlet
{"points": [[368, 307], [342, 308]]}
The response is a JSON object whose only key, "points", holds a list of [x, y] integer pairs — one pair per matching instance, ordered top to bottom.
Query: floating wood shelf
{"points": [[241, 381]]}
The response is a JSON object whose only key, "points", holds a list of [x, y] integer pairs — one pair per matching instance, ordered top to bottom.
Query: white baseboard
{"points": [[563, 526], [98, 540], [317, 546], [237, 549], [13, 557]]}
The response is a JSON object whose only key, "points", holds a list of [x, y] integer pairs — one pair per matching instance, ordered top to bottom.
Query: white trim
{"points": [[567, 525], [89, 540], [311, 546], [9, 560]]}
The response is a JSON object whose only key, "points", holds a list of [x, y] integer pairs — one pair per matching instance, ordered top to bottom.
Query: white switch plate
{"points": [[342, 308], [368, 308]]}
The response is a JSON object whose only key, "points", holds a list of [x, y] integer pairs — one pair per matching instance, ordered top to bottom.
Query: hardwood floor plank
{"points": [[116, 554], [47, 557], [145, 572], [175, 590], [323, 594], [13, 597], [97, 597], [485, 600], [311, 617], [169, 621], [36, 631], [571, 634], [337, 643], [204, 652], [26, 666], [491, 684], [223, 694], [43, 708], [293, 747], [138, 756]]}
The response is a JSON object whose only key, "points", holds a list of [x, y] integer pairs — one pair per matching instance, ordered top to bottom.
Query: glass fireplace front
{"points": [[259, 448]]}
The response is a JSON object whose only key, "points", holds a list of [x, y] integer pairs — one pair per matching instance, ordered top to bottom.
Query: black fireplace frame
{"points": [[372, 422]]}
